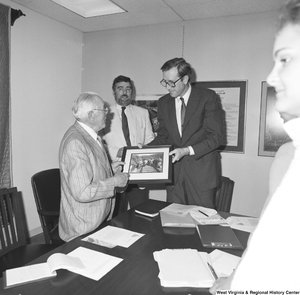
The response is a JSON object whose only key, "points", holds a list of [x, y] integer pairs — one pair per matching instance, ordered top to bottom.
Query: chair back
{"points": [[46, 191], [223, 195], [12, 233]]}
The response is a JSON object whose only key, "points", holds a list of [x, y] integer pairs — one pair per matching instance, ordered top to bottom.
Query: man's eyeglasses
{"points": [[164, 83], [102, 110]]}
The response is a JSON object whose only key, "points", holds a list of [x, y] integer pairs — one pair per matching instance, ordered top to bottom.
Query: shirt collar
{"points": [[186, 95], [119, 107], [292, 128], [89, 130]]}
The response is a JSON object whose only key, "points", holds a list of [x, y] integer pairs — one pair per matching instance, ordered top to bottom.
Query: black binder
{"points": [[217, 236]]}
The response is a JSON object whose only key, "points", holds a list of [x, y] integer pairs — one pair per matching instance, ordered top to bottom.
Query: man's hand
{"points": [[120, 152], [177, 154], [117, 166], [121, 179]]}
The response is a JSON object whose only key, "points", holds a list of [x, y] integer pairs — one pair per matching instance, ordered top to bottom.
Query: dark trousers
{"points": [[132, 196]]}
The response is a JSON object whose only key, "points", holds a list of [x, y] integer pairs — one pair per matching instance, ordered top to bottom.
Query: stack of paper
{"points": [[178, 215], [242, 223], [111, 236], [183, 268]]}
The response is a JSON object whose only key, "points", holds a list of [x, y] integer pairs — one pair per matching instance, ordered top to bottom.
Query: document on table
{"points": [[178, 215], [247, 224], [111, 236], [89, 263], [224, 263], [97, 264], [183, 268], [190, 268]]}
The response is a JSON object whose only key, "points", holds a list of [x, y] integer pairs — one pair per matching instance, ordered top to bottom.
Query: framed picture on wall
{"points": [[233, 100], [149, 102], [271, 132]]}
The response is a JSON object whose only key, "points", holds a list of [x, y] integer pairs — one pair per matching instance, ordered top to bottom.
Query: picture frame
{"points": [[233, 95], [149, 102], [271, 132], [149, 164]]}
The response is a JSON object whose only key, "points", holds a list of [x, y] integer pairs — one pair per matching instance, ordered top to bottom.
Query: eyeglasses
{"points": [[164, 83], [102, 110]]}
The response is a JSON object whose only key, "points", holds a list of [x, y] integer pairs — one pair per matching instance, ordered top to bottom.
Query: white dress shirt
{"points": [[272, 258]]}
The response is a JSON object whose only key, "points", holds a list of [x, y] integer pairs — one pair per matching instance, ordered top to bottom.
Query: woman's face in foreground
{"points": [[285, 76]]}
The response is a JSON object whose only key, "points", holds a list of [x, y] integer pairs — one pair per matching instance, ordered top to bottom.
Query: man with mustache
{"points": [[116, 136]]}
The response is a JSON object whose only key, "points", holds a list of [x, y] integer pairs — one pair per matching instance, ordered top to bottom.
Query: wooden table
{"points": [[137, 273]]}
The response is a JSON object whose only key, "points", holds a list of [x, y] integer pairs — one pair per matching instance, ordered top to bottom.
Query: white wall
{"points": [[229, 48], [46, 61], [46, 75]]}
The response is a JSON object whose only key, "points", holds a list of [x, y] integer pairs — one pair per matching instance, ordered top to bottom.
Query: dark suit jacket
{"points": [[202, 129]]}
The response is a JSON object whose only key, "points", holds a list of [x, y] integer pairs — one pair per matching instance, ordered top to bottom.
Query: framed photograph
{"points": [[233, 100], [149, 102], [271, 132], [149, 164]]}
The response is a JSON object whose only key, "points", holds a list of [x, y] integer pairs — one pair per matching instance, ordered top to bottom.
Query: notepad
{"points": [[147, 210], [216, 236]]}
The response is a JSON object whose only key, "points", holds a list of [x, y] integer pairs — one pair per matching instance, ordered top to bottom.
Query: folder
{"points": [[216, 236]]}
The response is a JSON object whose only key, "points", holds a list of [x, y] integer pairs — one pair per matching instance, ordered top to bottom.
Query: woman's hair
{"points": [[290, 14]]}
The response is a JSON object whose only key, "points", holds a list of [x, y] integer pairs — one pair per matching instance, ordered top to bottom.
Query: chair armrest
{"points": [[48, 213]]}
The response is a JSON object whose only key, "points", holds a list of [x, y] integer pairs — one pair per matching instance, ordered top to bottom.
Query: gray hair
{"points": [[83, 104]]}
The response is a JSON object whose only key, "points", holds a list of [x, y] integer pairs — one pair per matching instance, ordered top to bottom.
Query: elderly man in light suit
{"points": [[139, 132], [88, 180]]}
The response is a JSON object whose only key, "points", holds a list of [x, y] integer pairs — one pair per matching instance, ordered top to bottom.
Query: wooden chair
{"points": [[46, 191], [223, 195], [14, 251]]}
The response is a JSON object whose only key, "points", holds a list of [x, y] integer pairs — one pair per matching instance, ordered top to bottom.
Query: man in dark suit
{"points": [[190, 119]]}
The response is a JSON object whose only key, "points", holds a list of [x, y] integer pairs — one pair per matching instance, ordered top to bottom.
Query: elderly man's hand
{"points": [[120, 152], [117, 166], [120, 179]]}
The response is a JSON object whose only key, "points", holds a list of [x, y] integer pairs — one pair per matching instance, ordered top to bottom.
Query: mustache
{"points": [[124, 95]]}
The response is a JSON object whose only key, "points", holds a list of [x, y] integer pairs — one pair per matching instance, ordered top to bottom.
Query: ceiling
{"points": [[149, 12]]}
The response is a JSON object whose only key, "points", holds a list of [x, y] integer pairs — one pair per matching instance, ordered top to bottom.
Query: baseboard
{"points": [[35, 231]]}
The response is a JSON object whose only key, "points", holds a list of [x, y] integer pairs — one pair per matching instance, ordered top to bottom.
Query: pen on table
{"points": [[203, 213], [212, 271]]}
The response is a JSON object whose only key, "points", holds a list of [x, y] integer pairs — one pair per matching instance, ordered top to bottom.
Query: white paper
{"points": [[185, 209], [189, 215], [247, 224], [113, 236], [62, 261], [223, 263], [97, 264], [183, 268], [29, 273]]}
